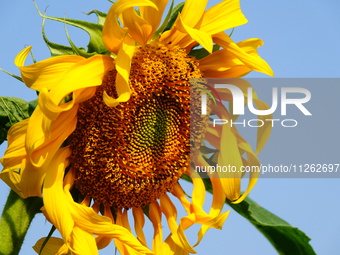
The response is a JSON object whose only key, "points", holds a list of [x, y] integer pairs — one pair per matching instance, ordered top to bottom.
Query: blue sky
{"points": [[301, 41]]}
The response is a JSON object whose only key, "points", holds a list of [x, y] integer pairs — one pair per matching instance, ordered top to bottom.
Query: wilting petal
{"points": [[193, 11], [152, 15], [222, 16], [138, 28], [113, 33], [199, 36], [253, 61], [222, 64], [225, 64], [123, 66], [46, 73], [84, 74], [42, 143], [16, 150], [12, 178], [55, 201], [155, 215], [138, 216], [93, 223], [177, 232], [83, 242], [54, 246], [169, 247]]}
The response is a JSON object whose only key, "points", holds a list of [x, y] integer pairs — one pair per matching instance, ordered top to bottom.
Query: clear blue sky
{"points": [[301, 41]]}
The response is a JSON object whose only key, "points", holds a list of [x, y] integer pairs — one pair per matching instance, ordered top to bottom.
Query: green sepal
{"points": [[174, 14], [100, 15], [162, 28], [94, 30], [56, 49], [78, 51], [202, 53], [13, 75], [12, 110], [53, 228], [285, 238]]}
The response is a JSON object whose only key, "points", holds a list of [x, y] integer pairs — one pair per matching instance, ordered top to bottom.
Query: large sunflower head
{"points": [[111, 132]]}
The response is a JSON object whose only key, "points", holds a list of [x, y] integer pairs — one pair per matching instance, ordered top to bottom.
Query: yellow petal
{"points": [[193, 11], [152, 15], [222, 16], [138, 28], [113, 33], [199, 36], [253, 61], [223, 64], [123, 66], [46, 73], [84, 74], [42, 144], [16, 150], [229, 156], [252, 161], [13, 179], [178, 192], [198, 193], [55, 201], [156, 219], [139, 220], [91, 222], [216, 222], [177, 232], [103, 241], [82, 242], [54, 246], [169, 247]]}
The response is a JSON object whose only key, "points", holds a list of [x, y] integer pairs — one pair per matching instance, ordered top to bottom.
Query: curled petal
{"points": [[113, 33], [253, 61], [123, 66], [46, 73]]}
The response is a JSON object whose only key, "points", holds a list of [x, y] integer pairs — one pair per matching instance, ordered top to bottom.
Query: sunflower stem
{"points": [[15, 220]]}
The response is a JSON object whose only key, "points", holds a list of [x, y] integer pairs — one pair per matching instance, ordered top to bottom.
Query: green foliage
{"points": [[176, 10], [100, 15], [94, 30], [201, 52], [12, 110], [15, 220], [285, 238]]}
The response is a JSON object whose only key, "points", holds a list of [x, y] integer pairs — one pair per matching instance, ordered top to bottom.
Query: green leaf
{"points": [[178, 8], [100, 15], [162, 28], [93, 29], [201, 53], [31, 106], [12, 110], [285, 238]]}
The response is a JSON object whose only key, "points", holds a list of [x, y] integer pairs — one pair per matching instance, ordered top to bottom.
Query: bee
{"points": [[191, 65]]}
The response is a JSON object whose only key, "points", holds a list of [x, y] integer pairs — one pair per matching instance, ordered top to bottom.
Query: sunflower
{"points": [[110, 137]]}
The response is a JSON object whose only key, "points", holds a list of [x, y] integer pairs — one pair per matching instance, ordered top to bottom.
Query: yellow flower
{"points": [[112, 133]]}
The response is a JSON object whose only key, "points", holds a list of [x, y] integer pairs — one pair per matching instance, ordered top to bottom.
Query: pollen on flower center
{"points": [[128, 156]]}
